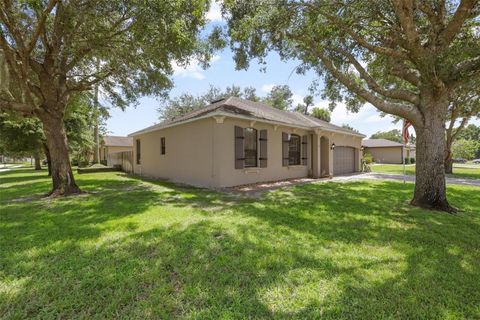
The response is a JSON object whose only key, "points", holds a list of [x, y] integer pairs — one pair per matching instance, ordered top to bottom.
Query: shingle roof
{"points": [[254, 110], [117, 141], [379, 143]]}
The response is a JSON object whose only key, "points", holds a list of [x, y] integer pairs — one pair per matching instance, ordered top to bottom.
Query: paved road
{"points": [[410, 178]]}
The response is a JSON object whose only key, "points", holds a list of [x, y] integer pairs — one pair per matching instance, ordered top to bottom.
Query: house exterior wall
{"points": [[342, 140], [409, 152], [202, 153], [188, 154], [393, 155], [225, 172]]}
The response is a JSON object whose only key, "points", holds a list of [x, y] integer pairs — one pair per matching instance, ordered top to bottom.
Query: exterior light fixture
{"points": [[332, 147], [362, 148]]}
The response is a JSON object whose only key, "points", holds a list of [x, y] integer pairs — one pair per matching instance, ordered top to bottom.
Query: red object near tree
{"points": [[405, 134]]}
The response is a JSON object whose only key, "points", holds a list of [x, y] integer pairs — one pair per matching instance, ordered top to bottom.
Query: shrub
{"points": [[367, 158], [412, 160]]}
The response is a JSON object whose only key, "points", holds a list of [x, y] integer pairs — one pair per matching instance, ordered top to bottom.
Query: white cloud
{"points": [[215, 13], [192, 69], [267, 87], [297, 99], [374, 118], [367, 120]]}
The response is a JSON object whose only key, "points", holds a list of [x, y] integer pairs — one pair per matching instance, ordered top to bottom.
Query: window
{"points": [[162, 145], [250, 147], [294, 147], [138, 151]]}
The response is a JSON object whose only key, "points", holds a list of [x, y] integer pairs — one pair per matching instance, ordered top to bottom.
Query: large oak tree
{"points": [[53, 49], [405, 57]]}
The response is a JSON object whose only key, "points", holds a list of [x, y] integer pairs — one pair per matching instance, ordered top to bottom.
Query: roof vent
{"points": [[217, 100]]}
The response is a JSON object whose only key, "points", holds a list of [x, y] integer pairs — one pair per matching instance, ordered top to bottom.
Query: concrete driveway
{"points": [[409, 178]]}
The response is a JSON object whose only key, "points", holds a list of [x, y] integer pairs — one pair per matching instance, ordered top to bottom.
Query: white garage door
{"points": [[343, 160]]}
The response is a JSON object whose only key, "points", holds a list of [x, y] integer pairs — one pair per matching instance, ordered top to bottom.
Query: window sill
{"points": [[297, 166], [251, 170]]}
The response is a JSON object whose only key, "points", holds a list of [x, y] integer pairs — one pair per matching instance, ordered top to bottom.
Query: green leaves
{"points": [[401, 52]]}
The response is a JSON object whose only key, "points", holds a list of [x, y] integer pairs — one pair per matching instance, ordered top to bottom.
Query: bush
{"points": [[465, 149], [367, 158], [407, 160], [412, 160], [83, 164]]}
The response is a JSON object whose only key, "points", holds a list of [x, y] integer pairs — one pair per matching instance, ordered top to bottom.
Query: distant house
{"points": [[234, 142], [114, 144], [387, 151]]}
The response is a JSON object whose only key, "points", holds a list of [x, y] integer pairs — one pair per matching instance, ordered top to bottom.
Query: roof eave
{"points": [[230, 115], [340, 131]]}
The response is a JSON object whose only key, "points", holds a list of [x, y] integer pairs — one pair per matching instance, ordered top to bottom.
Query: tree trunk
{"points": [[448, 148], [96, 151], [36, 157], [49, 160], [449, 162], [61, 171], [430, 187]]}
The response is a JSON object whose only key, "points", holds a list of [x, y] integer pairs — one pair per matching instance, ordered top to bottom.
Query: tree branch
{"points": [[404, 11], [6, 16], [40, 26], [452, 29], [363, 42], [465, 69], [404, 72], [87, 85], [397, 94], [8, 105], [409, 112], [462, 125]]}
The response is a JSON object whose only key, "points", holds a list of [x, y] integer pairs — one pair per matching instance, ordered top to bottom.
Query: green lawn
{"points": [[459, 170], [131, 248]]}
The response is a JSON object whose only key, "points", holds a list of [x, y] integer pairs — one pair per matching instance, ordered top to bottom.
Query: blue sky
{"points": [[222, 73]]}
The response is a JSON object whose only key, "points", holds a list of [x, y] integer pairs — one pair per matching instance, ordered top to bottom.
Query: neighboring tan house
{"points": [[234, 142], [114, 144], [387, 151]]}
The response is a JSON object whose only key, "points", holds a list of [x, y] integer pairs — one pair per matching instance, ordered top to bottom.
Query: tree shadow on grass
{"points": [[22, 175], [39, 221], [313, 251]]}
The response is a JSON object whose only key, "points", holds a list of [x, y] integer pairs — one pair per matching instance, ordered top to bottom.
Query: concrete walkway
{"points": [[7, 168], [409, 178], [258, 189]]}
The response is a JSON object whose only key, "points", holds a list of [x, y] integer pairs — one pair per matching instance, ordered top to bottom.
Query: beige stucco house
{"points": [[234, 142], [114, 144], [387, 151]]}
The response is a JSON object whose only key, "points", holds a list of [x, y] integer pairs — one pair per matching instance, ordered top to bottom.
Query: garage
{"points": [[343, 160]]}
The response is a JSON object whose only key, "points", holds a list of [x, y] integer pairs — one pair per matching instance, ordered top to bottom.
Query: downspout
{"points": [[213, 151], [311, 155]]}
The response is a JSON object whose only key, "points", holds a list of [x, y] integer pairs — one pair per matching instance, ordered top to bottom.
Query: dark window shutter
{"points": [[285, 143], [263, 148], [304, 150], [239, 151]]}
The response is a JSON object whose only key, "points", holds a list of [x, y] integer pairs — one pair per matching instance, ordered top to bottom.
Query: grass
{"points": [[459, 170], [137, 249]]}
